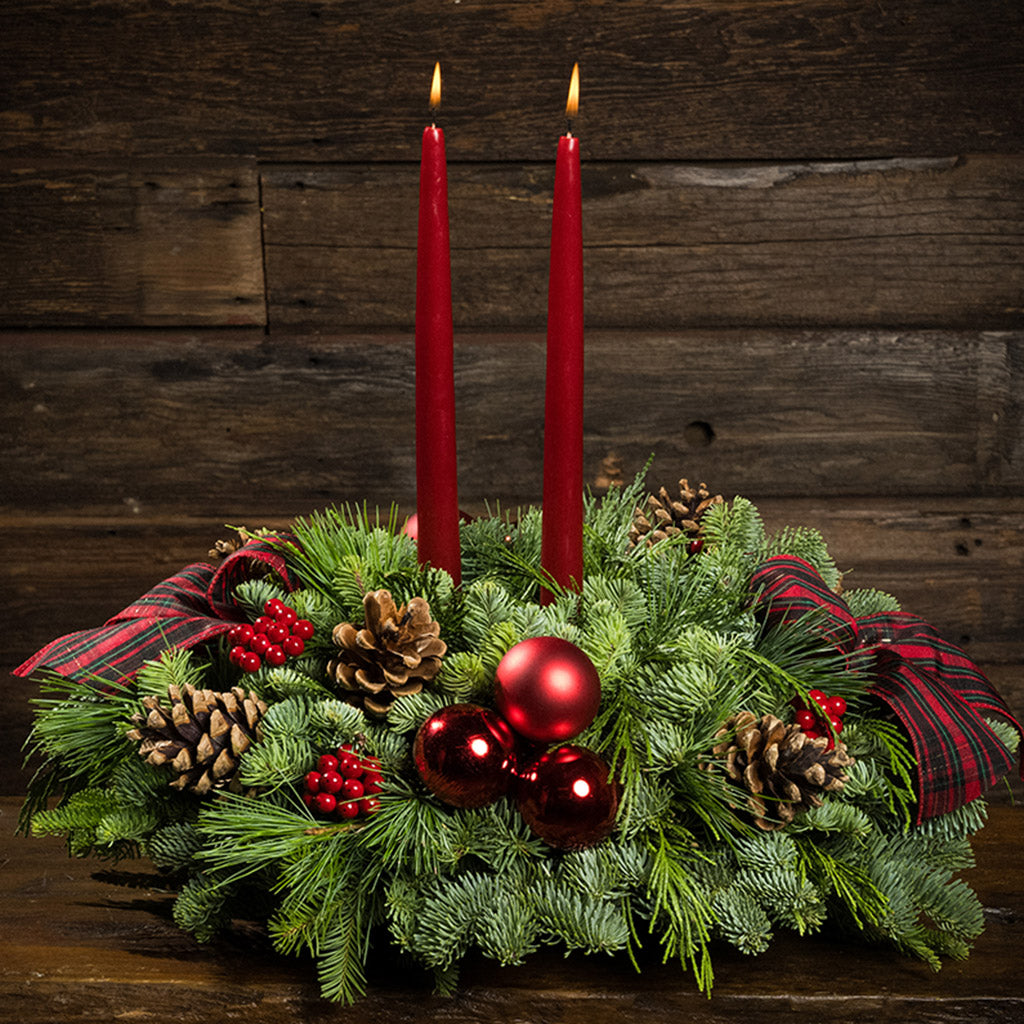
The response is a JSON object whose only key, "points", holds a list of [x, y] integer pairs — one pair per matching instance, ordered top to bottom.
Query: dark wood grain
{"points": [[348, 79], [873, 242], [130, 243], [220, 423], [76, 947]]}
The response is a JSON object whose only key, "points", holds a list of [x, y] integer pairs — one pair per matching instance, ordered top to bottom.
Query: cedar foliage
{"points": [[678, 651]]}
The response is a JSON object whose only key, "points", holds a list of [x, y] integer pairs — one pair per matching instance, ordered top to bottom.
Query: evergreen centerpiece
{"points": [[763, 754]]}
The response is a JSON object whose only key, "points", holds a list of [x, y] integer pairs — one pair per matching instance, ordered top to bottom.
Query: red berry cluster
{"points": [[274, 637], [825, 709], [344, 785]]}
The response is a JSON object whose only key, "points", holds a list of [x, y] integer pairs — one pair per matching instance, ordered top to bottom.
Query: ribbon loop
{"points": [[186, 610], [936, 692]]}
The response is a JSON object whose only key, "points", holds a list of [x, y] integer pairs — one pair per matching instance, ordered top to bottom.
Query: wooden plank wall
{"points": [[804, 234]]}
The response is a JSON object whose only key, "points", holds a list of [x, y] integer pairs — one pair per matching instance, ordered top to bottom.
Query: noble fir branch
{"points": [[736, 526], [807, 544], [869, 602], [177, 666], [871, 739], [496, 836], [173, 846], [788, 899], [924, 900], [200, 907], [448, 914], [741, 920], [579, 922], [507, 931]]}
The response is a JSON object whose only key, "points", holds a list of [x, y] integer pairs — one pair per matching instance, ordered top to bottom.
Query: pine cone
{"points": [[664, 516], [394, 654], [202, 736], [784, 770]]}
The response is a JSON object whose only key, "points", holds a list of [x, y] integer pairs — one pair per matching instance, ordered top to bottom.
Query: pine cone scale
{"points": [[394, 653], [200, 737], [782, 771]]}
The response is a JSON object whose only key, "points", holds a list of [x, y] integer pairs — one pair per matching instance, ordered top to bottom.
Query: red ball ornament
{"points": [[547, 689], [465, 755], [569, 798]]}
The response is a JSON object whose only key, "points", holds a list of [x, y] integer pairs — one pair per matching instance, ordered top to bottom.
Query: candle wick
{"points": [[568, 128]]}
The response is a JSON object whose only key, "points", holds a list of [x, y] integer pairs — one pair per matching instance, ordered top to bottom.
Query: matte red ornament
{"points": [[547, 689], [465, 755], [569, 798]]}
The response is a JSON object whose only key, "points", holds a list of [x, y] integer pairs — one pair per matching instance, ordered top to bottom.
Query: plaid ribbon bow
{"points": [[190, 608], [932, 687]]}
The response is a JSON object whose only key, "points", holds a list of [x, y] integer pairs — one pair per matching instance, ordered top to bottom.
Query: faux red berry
{"points": [[694, 547], [273, 606], [286, 616], [262, 624], [303, 628], [276, 632], [242, 633], [260, 644], [293, 645], [235, 655], [275, 656], [250, 662], [819, 698], [837, 706], [806, 719], [836, 722], [812, 734], [327, 763], [371, 764], [350, 766], [312, 781], [332, 782], [373, 783], [352, 789], [309, 799], [325, 802], [370, 805], [349, 809]]}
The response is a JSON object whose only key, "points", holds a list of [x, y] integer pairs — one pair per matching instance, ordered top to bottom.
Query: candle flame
{"points": [[435, 87], [572, 105]]}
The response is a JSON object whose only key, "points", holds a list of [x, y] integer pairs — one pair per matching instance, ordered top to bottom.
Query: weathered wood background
{"points": [[804, 228]]}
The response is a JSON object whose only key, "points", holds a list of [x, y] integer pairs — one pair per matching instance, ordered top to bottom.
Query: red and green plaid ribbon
{"points": [[190, 608], [937, 693]]}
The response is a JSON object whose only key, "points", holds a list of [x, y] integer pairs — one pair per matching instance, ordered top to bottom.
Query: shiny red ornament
{"points": [[547, 689], [465, 755], [569, 798]]}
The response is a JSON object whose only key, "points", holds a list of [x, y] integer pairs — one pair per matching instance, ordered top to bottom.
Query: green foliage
{"points": [[678, 651]]}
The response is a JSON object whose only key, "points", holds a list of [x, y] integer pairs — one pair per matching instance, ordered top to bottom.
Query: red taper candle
{"points": [[437, 497], [562, 530]]}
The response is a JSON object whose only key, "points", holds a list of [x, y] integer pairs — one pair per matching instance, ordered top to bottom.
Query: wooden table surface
{"points": [[74, 947]]}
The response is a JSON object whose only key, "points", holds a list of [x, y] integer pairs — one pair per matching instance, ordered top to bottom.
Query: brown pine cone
{"points": [[664, 516], [394, 654], [202, 736], [783, 770]]}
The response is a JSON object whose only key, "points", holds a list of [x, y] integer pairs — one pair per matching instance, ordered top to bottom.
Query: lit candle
{"points": [[437, 500], [562, 530]]}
